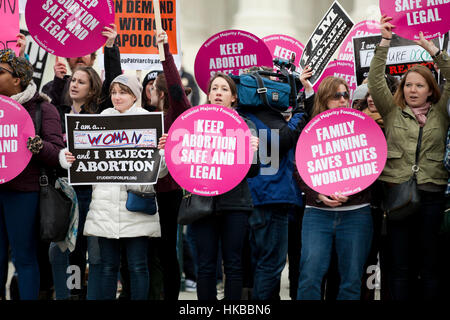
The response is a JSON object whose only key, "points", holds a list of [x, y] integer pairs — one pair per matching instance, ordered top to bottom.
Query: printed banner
{"points": [[412, 16], [9, 25], [69, 28], [363, 28], [136, 33], [325, 40], [282, 46], [230, 51], [402, 55], [37, 57], [341, 69], [16, 126], [119, 149], [208, 150], [341, 150]]}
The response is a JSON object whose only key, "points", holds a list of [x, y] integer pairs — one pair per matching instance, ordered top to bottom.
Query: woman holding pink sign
{"points": [[415, 122], [19, 198], [346, 221], [227, 225]]}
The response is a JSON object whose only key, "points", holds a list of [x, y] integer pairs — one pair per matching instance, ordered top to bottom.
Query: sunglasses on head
{"points": [[6, 70], [338, 95]]}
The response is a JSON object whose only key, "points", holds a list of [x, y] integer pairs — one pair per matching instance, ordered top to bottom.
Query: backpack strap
{"points": [[262, 90], [38, 119], [43, 178]]}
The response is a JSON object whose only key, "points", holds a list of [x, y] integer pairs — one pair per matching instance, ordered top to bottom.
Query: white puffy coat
{"points": [[108, 216]]}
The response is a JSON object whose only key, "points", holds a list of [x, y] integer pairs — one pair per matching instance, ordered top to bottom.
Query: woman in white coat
{"points": [[108, 217]]}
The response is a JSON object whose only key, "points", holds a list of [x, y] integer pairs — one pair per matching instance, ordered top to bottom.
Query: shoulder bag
{"points": [[402, 200], [143, 202], [54, 205], [194, 207]]}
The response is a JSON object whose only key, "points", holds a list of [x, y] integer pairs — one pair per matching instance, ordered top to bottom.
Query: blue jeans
{"points": [[18, 225], [227, 229], [352, 233], [269, 246], [136, 249], [60, 263]]}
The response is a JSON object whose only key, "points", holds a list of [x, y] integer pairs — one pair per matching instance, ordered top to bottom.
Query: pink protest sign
{"points": [[412, 16], [9, 25], [69, 28], [364, 28], [282, 46], [230, 51], [341, 69], [15, 128], [208, 151], [341, 151]]}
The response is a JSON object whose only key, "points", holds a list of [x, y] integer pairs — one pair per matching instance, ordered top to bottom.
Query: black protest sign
{"points": [[325, 40], [403, 54], [37, 57], [119, 149]]}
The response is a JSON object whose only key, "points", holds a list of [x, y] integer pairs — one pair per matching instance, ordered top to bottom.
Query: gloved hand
{"points": [[35, 144]]}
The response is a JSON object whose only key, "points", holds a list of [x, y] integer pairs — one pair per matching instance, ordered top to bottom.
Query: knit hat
{"points": [[22, 68], [152, 75], [131, 82], [360, 92]]}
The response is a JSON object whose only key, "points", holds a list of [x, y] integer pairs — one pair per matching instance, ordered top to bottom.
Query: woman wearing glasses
{"points": [[346, 221]]}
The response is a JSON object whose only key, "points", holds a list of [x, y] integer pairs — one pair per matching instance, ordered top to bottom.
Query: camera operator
{"points": [[273, 192]]}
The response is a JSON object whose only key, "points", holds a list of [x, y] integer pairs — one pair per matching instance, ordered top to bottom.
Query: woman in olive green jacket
{"points": [[413, 242]]}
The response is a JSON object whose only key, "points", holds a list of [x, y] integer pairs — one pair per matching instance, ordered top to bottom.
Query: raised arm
{"points": [[442, 60], [112, 65], [377, 85], [178, 101]]}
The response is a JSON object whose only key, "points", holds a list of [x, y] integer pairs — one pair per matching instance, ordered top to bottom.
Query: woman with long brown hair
{"points": [[418, 109], [344, 221]]}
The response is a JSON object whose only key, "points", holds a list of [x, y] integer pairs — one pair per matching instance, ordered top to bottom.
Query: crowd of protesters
{"points": [[331, 241]]}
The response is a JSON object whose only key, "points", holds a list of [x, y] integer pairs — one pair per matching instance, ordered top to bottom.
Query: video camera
{"points": [[275, 89]]}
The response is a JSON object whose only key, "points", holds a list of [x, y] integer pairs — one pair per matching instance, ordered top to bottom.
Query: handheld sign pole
{"points": [[159, 28]]}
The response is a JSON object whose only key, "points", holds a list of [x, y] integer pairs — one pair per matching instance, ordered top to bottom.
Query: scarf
{"points": [[26, 95], [421, 113]]}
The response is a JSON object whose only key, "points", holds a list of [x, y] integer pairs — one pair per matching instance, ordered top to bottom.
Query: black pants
{"points": [[168, 204], [413, 246], [294, 249]]}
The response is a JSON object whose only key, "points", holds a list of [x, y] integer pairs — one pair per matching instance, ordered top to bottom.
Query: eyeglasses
{"points": [[6, 70], [338, 95]]}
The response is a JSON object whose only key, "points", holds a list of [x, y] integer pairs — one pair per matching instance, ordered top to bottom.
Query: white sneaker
{"points": [[190, 286]]}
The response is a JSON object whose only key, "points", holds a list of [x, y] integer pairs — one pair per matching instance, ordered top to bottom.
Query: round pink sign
{"points": [[412, 16], [69, 28], [364, 28], [282, 46], [230, 51], [341, 69], [15, 128], [208, 150], [341, 151]]}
